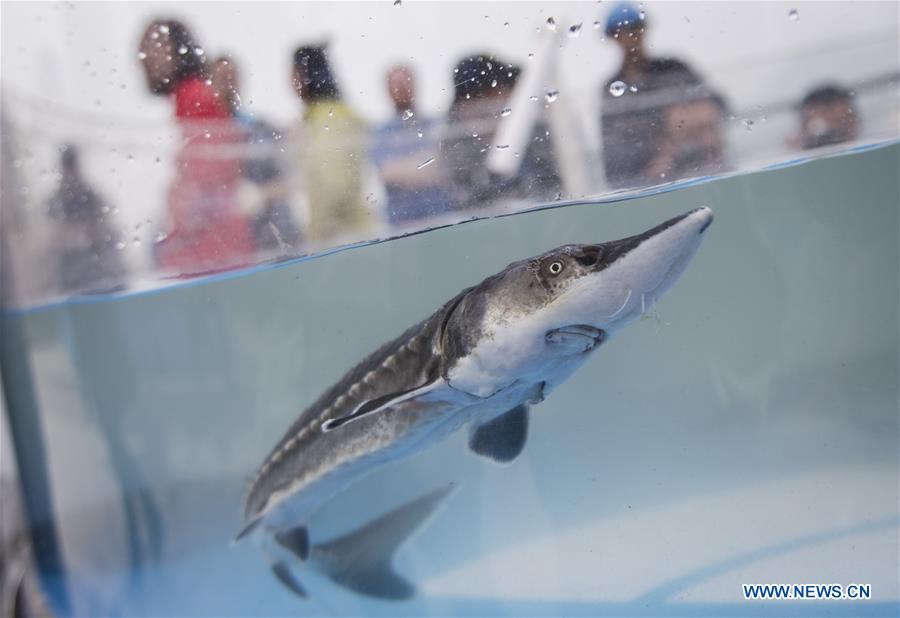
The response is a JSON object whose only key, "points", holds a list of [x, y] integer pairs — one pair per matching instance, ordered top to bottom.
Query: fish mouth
{"points": [[579, 334]]}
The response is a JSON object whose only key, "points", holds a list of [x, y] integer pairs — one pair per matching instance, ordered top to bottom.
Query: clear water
{"points": [[746, 433]]}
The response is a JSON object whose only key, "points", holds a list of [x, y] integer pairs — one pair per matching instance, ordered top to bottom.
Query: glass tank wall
{"points": [[212, 211]]}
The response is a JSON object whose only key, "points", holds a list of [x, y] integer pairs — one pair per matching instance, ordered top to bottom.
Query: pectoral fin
{"points": [[378, 404], [502, 438], [296, 541], [284, 575]]}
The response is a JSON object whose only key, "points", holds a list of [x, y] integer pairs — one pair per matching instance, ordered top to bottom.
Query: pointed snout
{"points": [[703, 217], [694, 222], [676, 234], [662, 253]]}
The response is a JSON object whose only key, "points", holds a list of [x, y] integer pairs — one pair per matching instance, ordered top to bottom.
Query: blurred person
{"points": [[482, 88], [635, 100], [827, 116], [693, 138], [400, 147], [331, 149], [275, 229], [206, 230], [85, 241]]}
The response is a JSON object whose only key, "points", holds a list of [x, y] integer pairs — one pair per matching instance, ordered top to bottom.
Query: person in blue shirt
{"points": [[403, 149]]}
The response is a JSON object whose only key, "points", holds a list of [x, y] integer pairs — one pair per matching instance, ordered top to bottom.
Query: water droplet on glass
{"points": [[398, 2], [794, 15], [551, 23], [597, 24], [164, 29], [575, 30], [183, 50], [198, 51], [531, 54], [142, 56], [493, 83], [617, 88], [632, 88], [551, 95], [533, 98], [505, 111], [407, 114], [748, 123], [419, 134], [502, 146], [158, 160], [424, 163], [160, 236], [136, 241], [120, 245]]}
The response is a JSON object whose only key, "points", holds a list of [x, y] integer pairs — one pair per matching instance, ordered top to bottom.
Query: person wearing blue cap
{"points": [[635, 100]]}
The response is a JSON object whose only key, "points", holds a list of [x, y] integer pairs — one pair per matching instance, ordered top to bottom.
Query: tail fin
{"points": [[362, 560]]}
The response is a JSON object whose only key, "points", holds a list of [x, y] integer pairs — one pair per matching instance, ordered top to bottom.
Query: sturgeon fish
{"points": [[480, 360]]}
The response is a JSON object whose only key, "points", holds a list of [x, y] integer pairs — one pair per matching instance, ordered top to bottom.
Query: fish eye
{"points": [[555, 267]]}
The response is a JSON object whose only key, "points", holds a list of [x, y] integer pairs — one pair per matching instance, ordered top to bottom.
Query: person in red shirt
{"points": [[206, 231]]}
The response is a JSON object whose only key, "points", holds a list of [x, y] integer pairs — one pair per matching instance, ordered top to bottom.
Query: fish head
{"points": [[608, 285], [563, 303]]}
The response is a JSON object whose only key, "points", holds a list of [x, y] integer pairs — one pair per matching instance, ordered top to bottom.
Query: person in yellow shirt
{"points": [[331, 150]]}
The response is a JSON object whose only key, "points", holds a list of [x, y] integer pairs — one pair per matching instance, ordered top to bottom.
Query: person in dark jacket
{"points": [[482, 87], [635, 102], [828, 116], [86, 242]]}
